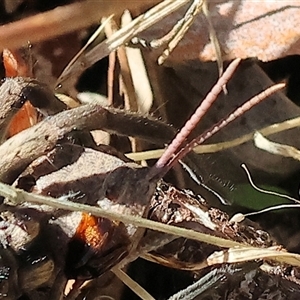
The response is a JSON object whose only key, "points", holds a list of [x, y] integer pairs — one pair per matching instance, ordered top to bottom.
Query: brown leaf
{"points": [[245, 28]]}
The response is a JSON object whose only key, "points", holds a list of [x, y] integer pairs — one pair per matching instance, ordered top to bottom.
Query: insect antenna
{"points": [[224, 122], [173, 155], [160, 168]]}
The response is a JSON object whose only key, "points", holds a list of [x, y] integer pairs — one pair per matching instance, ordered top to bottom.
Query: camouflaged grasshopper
{"points": [[98, 219]]}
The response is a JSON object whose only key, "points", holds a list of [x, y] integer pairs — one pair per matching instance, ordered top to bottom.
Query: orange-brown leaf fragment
{"points": [[15, 66]]}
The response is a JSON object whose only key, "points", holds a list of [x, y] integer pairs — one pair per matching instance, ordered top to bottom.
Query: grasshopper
{"points": [[43, 246]]}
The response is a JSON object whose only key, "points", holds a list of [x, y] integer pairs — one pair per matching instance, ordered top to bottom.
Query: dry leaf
{"points": [[264, 29]]}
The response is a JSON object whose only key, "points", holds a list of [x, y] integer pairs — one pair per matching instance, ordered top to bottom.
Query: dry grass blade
{"points": [[179, 30], [123, 36], [213, 37], [89, 43], [141, 84], [127, 89], [275, 148], [18, 195], [237, 251], [234, 255], [134, 286]]}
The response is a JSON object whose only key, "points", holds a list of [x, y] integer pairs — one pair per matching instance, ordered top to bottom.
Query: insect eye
{"points": [[113, 188], [111, 193]]}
